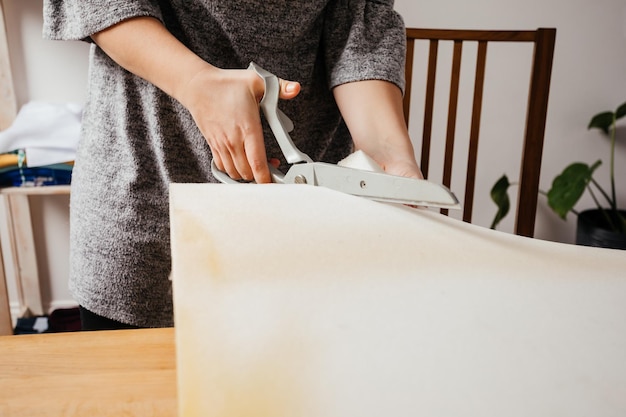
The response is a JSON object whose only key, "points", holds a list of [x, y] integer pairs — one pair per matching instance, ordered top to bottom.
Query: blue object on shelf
{"points": [[35, 177]]}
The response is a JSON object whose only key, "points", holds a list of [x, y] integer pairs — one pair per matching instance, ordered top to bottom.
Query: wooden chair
{"points": [[541, 69]]}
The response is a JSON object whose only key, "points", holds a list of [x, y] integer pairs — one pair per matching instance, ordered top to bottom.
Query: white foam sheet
{"points": [[300, 301]]}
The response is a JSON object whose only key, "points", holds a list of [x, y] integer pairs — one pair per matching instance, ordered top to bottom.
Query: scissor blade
{"points": [[373, 185]]}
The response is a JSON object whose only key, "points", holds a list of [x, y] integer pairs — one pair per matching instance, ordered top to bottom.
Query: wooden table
{"points": [[106, 373]]}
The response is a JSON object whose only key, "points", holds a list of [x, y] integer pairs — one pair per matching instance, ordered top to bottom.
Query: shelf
{"points": [[44, 190]]}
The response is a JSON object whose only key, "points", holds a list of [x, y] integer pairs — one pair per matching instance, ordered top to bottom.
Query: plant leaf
{"points": [[620, 112], [602, 121], [569, 186], [500, 196]]}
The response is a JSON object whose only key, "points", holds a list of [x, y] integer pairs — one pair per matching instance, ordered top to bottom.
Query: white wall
{"points": [[42, 70], [589, 76]]}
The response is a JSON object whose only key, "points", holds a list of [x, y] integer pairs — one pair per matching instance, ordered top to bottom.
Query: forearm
{"points": [[146, 48], [222, 102], [373, 113]]}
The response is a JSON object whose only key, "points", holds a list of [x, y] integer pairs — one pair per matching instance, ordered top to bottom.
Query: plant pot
{"points": [[592, 230]]}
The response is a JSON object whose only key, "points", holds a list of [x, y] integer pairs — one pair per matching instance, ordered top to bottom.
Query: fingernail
{"points": [[290, 87]]}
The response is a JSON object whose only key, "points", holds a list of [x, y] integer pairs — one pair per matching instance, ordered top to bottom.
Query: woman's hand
{"points": [[225, 106], [373, 113], [406, 168]]}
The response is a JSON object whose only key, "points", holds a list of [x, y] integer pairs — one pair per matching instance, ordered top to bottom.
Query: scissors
{"points": [[369, 181]]}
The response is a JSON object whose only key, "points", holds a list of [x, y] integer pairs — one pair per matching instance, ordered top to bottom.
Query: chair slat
{"points": [[473, 35], [408, 79], [431, 79], [453, 104], [477, 105], [535, 131]]}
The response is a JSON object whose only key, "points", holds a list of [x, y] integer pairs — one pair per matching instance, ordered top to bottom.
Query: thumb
{"points": [[289, 89]]}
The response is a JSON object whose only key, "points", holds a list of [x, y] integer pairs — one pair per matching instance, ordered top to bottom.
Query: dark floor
{"points": [[61, 320]]}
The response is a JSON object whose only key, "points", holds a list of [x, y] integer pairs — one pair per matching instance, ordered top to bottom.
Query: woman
{"points": [[168, 91]]}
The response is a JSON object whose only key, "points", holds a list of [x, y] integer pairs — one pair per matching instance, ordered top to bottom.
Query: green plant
{"points": [[570, 185]]}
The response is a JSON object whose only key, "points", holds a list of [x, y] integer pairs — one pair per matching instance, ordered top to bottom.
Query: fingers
{"points": [[288, 89], [225, 106], [242, 155], [257, 161], [275, 162], [254, 166], [404, 169]]}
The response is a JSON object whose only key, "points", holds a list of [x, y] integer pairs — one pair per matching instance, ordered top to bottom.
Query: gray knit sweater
{"points": [[136, 140]]}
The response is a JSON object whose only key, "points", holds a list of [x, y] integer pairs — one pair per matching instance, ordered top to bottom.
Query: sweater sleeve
{"points": [[79, 19], [364, 40]]}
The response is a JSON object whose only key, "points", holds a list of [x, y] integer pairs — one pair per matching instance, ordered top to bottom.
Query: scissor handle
{"points": [[278, 121]]}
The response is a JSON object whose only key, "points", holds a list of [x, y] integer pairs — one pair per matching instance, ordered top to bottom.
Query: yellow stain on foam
{"points": [[201, 254], [223, 368], [219, 379]]}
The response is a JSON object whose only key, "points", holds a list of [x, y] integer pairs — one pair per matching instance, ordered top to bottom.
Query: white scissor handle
{"points": [[280, 124]]}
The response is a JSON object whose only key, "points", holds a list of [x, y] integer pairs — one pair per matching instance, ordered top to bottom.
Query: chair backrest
{"points": [[541, 70]]}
